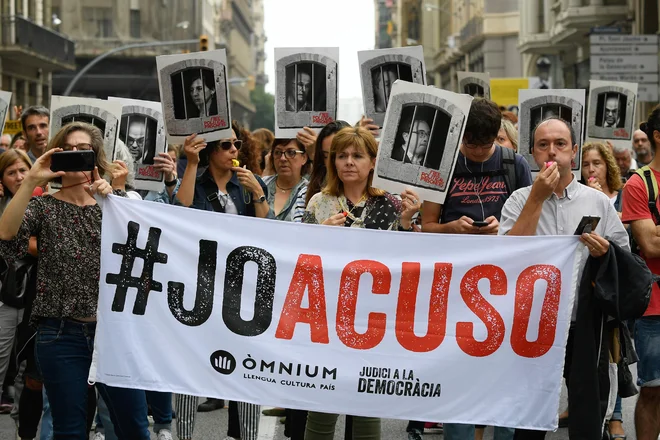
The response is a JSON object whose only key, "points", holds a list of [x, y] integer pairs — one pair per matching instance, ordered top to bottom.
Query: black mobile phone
{"points": [[84, 160], [479, 224], [587, 225]]}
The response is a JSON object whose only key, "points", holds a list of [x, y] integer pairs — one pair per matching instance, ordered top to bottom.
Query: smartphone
{"points": [[84, 160], [479, 224], [587, 224]]}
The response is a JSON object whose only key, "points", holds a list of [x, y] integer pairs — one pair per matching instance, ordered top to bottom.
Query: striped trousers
{"points": [[186, 413]]}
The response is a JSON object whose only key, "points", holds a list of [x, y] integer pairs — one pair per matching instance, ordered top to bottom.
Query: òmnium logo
{"points": [[223, 362]]}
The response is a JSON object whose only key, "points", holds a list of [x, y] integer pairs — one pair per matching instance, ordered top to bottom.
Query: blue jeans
{"points": [[647, 344], [63, 352], [161, 409], [618, 410], [46, 420], [456, 431]]}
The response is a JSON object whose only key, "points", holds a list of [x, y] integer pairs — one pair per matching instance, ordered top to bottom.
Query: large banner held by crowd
{"points": [[433, 327]]}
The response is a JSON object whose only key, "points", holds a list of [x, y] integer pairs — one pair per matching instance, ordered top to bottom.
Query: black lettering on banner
{"points": [[145, 283], [263, 303], [201, 311]]}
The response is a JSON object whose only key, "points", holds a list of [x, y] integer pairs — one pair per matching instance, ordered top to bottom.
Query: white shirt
{"points": [[228, 203], [562, 215]]}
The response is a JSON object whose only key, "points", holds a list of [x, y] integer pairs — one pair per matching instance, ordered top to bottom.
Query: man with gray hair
{"points": [[36, 125], [627, 165]]}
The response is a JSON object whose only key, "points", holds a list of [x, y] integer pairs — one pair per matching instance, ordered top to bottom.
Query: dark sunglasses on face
{"points": [[226, 145]]}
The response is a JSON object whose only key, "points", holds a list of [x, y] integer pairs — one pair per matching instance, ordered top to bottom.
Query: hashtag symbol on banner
{"points": [[124, 279]]}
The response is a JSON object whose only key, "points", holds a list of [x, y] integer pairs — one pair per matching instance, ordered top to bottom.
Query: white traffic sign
{"points": [[595, 39], [624, 49], [624, 64], [628, 77], [648, 93]]}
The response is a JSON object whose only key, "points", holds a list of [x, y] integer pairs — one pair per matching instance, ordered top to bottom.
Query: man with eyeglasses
{"points": [[299, 94], [136, 141], [414, 141], [481, 183], [554, 205]]}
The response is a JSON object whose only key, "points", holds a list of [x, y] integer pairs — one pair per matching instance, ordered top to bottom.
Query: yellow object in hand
{"points": [[235, 163]]}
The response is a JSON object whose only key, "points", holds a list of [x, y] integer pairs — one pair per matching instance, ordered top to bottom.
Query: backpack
{"points": [[647, 176]]}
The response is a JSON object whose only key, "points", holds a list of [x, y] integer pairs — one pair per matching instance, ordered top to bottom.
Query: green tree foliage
{"points": [[265, 105]]}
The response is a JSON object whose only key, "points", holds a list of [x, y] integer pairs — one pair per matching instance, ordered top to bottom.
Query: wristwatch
{"points": [[171, 182], [260, 199]]}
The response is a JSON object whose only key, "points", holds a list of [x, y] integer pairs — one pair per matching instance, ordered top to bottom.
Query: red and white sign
{"points": [[447, 328]]}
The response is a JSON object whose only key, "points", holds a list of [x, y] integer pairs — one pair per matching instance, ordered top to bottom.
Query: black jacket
{"points": [[617, 285]]}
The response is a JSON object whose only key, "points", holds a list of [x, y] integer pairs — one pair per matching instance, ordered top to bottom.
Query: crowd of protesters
{"points": [[47, 332]]}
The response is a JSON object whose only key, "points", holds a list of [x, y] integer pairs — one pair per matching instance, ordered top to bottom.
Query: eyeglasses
{"points": [[226, 145], [80, 147], [290, 154]]}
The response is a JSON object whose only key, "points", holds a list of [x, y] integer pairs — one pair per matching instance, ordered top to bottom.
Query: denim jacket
{"points": [[242, 199]]}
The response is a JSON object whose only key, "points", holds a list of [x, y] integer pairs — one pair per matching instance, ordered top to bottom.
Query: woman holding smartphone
{"points": [[67, 225]]}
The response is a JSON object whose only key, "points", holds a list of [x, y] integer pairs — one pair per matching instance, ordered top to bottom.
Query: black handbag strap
{"points": [[212, 197]]}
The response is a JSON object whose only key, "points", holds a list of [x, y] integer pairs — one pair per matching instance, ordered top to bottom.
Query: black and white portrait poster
{"points": [[378, 71], [475, 84], [305, 89], [195, 95], [5, 100], [539, 104], [611, 112], [101, 113], [142, 130], [420, 140]]}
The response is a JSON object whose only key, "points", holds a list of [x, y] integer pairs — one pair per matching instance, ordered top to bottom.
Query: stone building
{"points": [[98, 26], [462, 35], [31, 49]]}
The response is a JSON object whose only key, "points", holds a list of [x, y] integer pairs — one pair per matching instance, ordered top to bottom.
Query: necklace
{"points": [[283, 189], [349, 212]]}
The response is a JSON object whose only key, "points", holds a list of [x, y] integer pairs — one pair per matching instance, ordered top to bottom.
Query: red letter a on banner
{"points": [[307, 275], [346, 305], [483, 309], [405, 310], [548, 322]]}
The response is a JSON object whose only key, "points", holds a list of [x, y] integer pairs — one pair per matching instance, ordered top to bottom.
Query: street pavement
{"points": [[213, 426]]}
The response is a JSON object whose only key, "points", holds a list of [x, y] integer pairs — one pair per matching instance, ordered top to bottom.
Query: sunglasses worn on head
{"points": [[227, 144]]}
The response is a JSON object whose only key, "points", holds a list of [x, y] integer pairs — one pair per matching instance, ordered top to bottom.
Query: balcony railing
{"points": [[473, 28], [22, 33]]}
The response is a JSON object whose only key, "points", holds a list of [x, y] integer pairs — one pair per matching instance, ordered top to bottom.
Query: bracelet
{"points": [[171, 182]]}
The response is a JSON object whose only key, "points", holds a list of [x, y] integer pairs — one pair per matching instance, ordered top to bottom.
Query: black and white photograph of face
{"points": [[382, 78], [305, 87], [473, 90], [194, 93], [611, 110], [420, 124], [138, 132], [420, 139]]}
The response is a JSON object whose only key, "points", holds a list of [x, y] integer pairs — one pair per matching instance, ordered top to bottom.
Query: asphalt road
{"points": [[213, 426]]}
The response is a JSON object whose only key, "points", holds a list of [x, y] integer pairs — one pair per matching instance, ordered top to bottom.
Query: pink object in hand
{"points": [[548, 164], [591, 178]]}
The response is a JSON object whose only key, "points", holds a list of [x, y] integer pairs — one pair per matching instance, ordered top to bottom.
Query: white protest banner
{"points": [[434, 327]]}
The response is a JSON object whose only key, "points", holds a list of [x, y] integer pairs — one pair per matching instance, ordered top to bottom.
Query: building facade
{"points": [[385, 11], [98, 26], [462, 35], [31, 49]]}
